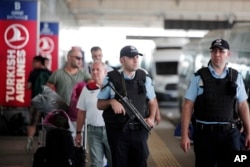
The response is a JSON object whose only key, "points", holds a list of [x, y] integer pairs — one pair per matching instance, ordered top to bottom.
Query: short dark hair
{"points": [[95, 48], [39, 58], [46, 58]]}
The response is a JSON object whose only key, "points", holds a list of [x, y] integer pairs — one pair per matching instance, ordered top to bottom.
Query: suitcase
{"points": [[57, 145], [42, 158]]}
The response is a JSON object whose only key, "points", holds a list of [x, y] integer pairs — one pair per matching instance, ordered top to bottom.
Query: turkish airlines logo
{"points": [[16, 36], [46, 45]]}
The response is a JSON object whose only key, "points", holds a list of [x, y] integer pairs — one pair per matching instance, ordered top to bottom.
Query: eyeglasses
{"points": [[76, 57]]}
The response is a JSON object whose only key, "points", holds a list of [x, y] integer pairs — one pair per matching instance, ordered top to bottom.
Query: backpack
{"points": [[40, 81]]}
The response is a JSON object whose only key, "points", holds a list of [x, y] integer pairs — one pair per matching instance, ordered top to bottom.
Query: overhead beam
{"points": [[197, 24]]}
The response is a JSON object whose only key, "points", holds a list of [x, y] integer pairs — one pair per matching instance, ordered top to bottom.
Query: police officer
{"points": [[211, 97], [128, 140]]}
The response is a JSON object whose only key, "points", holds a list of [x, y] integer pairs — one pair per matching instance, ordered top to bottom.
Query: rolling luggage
{"points": [[58, 148]]}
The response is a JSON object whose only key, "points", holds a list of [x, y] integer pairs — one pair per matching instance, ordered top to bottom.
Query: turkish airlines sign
{"points": [[16, 36], [18, 41], [48, 43]]}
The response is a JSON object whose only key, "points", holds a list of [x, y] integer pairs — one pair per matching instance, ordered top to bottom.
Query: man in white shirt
{"points": [[96, 131]]}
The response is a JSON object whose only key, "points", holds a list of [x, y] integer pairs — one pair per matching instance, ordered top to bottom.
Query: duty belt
{"points": [[134, 126], [215, 127]]}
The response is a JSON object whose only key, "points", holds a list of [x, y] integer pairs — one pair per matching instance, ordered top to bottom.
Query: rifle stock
{"points": [[132, 111]]}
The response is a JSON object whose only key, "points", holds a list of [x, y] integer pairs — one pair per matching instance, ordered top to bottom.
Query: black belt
{"points": [[134, 126], [215, 127]]}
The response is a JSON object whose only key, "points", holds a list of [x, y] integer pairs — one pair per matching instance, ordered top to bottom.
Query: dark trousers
{"points": [[214, 147], [128, 148]]}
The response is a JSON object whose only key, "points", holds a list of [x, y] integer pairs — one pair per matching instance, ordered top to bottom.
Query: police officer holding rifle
{"points": [[127, 132]]}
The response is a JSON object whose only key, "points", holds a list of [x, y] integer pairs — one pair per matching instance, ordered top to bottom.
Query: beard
{"points": [[75, 65]]}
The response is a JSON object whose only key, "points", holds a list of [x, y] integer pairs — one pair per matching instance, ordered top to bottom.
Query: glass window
{"points": [[166, 68]]}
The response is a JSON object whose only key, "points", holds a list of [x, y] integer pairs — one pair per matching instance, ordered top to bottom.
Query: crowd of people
{"points": [[95, 102], [119, 140]]}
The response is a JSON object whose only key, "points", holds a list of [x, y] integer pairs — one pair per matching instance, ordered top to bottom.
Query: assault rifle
{"points": [[132, 112]]}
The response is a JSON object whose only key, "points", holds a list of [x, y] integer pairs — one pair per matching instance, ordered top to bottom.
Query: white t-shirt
{"points": [[88, 102]]}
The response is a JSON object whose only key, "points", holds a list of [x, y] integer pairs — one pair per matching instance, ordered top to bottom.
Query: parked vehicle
{"points": [[165, 73]]}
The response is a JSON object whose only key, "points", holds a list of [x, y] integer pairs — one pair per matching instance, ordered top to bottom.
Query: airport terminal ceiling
{"points": [[142, 13]]}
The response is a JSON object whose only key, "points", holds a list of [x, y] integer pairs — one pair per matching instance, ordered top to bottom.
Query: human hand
{"points": [[117, 107], [157, 118], [150, 122], [78, 139], [247, 142], [185, 143]]}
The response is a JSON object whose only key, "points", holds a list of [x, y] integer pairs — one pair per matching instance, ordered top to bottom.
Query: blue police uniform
{"points": [[194, 88], [107, 93], [211, 138], [129, 146]]}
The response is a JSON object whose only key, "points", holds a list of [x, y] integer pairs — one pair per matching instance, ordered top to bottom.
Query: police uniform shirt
{"points": [[194, 89], [107, 93]]}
